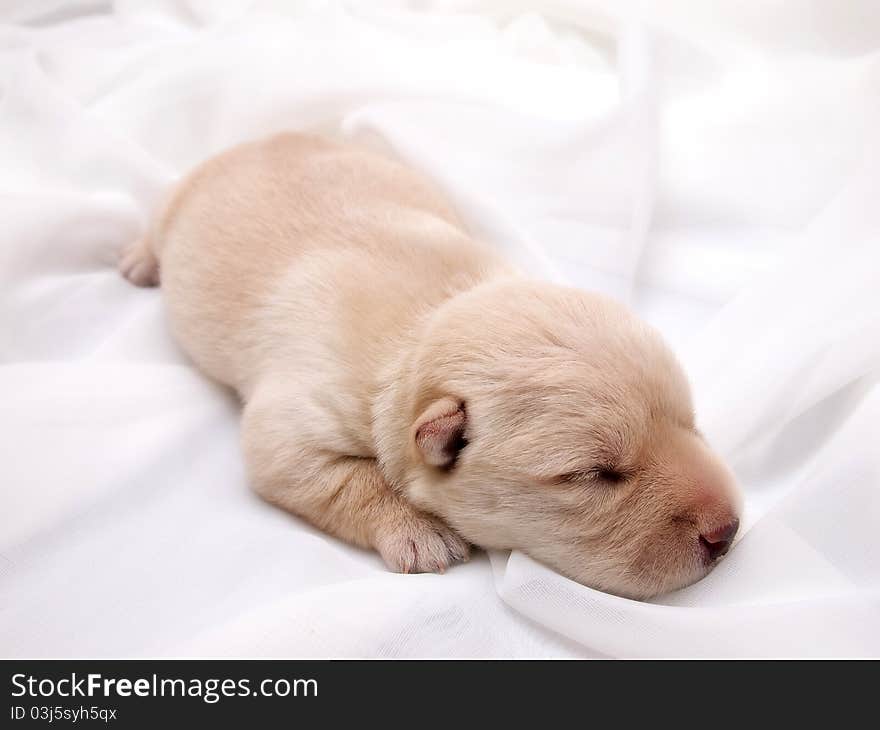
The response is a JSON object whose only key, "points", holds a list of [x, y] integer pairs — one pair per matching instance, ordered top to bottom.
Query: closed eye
{"points": [[603, 475], [611, 476]]}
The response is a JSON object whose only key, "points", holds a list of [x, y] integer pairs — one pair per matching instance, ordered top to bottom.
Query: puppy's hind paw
{"points": [[139, 265], [419, 543]]}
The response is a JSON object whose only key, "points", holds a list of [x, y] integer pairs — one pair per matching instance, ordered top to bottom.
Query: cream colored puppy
{"points": [[406, 390]]}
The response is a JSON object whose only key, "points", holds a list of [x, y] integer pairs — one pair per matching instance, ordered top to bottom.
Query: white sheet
{"points": [[713, 163]]}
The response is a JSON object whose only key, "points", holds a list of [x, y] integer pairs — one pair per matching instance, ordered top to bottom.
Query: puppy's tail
{"points": [[138, 262]]}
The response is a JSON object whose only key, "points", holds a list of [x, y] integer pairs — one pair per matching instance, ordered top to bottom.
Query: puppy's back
{"points": [[294, 235]]}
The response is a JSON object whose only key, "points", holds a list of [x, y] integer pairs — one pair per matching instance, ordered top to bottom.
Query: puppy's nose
{"points": [[718, 541]]}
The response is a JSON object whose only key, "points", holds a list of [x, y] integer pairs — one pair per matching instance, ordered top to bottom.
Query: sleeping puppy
{"points": [[406, 390]]}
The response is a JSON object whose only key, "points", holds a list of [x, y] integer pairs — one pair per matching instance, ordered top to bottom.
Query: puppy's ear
{"points": [[439, 432]]}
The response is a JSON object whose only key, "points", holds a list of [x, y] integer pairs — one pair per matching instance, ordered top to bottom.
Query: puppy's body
{"points": [[295, 253], [400, 380]]}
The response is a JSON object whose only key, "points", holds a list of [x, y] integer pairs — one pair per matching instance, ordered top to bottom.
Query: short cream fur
{"points": [[407, 390]]}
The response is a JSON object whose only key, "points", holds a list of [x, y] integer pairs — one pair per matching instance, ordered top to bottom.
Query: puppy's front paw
{"points": [[417, 543]]}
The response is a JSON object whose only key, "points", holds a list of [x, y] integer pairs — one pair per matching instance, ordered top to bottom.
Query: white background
{"points": [[713, 163]]}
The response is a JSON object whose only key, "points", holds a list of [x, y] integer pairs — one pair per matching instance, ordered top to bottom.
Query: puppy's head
{"points": [[553, 421]]}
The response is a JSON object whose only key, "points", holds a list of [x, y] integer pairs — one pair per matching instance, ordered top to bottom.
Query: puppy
{"points": [[406, 390]]}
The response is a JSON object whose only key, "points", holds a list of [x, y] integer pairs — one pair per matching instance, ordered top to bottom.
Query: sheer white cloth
{"points": [[713, 163]]}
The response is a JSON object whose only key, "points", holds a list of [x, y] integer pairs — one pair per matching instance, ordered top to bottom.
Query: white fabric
{"points": [[713, 163]]}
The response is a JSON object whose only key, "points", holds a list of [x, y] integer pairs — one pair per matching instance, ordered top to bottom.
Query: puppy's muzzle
{"points": [[718, 541]]}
